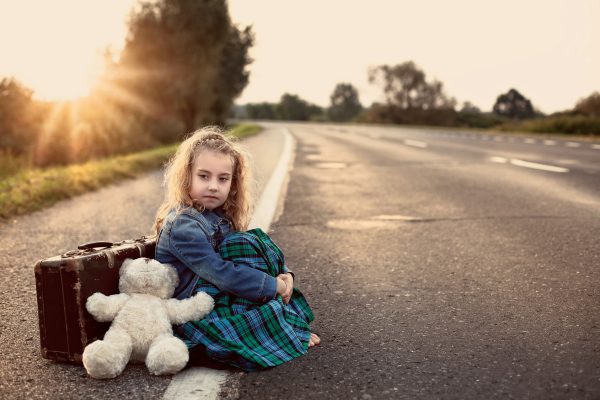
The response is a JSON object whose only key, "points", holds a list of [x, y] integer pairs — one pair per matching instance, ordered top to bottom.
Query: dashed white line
{"points": [[529, 141], [550, 142], [415, 143], [572, 144], [596, 146], [499, 160], [527, 164], [543, 167]]}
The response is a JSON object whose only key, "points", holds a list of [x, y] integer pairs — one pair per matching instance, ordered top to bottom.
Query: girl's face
{"points": [[211, 178]]}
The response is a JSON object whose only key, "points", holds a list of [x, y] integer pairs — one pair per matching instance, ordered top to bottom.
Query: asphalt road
{"points": [[439, 264], [440, 267]]}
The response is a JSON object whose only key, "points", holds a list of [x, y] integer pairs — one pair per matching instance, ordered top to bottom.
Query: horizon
{"points": [[460, 44], [549, 52]]}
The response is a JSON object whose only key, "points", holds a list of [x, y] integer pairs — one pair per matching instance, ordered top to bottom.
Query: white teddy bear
{"points": [[142, 315]]}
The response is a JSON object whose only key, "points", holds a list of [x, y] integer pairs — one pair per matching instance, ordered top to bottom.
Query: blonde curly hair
{"points": [[178, 177]]}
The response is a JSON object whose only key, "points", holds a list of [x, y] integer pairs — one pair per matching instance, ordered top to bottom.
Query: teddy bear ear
{"points": [[126, 263]]}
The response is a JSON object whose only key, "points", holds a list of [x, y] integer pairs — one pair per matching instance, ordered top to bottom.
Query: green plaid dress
{"points": [[248, 335]]}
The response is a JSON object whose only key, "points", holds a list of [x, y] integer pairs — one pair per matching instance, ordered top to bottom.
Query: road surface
{"points": [[439, 264], [442, 264]]}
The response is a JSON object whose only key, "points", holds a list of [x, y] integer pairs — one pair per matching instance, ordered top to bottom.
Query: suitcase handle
{"points": [[93, 245]]}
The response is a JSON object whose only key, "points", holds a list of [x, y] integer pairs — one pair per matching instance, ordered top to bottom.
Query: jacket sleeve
{"points": [[189, 244]]}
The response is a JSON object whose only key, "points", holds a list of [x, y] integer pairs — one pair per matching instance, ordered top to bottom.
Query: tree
{"points": [[184, 61], [232, 75], [405, 87], [345, 104], [513, 104], [589, 105], [292, 107], [470, 108], [261, 110], [18, 128]]}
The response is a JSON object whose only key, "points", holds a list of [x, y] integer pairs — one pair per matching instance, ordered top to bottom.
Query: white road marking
{"points": [[498, 139], [529, 141], [550, 142], [415, 143], [573, 144], [596, 146], [499, 160], [528, 164], [331, 165], [543, 167], [267, 204], [396, 217], [196, 383], [205, 383]]}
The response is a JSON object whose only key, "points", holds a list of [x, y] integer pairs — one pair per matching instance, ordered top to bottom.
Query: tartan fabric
{"points": [[245, 334]]}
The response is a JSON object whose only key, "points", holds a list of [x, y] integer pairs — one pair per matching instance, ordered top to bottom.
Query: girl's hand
{"points": [[285, 287]]}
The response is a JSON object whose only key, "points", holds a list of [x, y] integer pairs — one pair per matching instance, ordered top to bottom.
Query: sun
{"points": [[57, 51]]}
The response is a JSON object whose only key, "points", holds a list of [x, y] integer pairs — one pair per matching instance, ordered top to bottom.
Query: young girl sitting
{"points": [[259, 319]]}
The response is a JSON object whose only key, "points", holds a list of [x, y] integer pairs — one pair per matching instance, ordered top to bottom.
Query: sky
{"points": [[549, 50]]}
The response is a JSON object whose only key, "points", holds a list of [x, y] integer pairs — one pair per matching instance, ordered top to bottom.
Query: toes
{"points": [[315, 339]]}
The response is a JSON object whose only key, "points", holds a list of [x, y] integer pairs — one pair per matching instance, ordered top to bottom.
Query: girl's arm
{"points": [[188, 242]]}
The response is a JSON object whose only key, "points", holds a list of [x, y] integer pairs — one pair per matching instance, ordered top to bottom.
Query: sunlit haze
{"points": [[56, 47], [547, 49]]}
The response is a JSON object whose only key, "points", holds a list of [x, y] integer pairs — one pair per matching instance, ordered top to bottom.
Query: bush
{"points": [[389, 114], [479, 120], [565, 124]]}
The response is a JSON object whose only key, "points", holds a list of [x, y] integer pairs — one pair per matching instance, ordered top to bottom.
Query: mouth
{"points": [[211, 197]]}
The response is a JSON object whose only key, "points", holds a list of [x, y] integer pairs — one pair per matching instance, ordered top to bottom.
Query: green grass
{"points": [[31, 189]]}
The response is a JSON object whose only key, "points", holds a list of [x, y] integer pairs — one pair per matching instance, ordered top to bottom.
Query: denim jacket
{"points": [[188, 241]]}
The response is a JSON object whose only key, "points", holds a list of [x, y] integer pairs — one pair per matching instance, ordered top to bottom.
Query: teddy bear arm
{"points": [[105, 308], [192, 309]]}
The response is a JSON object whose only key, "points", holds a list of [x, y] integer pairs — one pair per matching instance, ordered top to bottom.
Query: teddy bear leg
{"points": [[166, 355], [107, 358]]}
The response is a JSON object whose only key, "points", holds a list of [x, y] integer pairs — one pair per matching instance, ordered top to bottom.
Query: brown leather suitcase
{"points": [[63, 284]]}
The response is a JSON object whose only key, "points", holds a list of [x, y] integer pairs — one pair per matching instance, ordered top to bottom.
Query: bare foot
{"points": [[314, 340]]}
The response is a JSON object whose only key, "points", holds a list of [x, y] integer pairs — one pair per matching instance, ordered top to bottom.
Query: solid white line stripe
{"points": [[415, 143], [543, 167], [269, 199], [205, 383]]}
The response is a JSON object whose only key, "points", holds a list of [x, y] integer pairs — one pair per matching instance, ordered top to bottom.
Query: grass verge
{"points": [[33, 189]]}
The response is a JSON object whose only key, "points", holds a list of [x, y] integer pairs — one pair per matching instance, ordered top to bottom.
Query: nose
{"points": [[212, 186]]}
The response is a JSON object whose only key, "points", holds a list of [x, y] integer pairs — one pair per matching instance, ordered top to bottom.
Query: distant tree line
{"points": [[182, 65], [410, 98]]}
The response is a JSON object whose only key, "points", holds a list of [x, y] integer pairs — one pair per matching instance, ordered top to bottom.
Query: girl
{"points": [[259, 319]]}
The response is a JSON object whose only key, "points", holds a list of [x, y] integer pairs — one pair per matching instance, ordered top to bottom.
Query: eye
{"points": [[203, 176], [224, 179]]}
